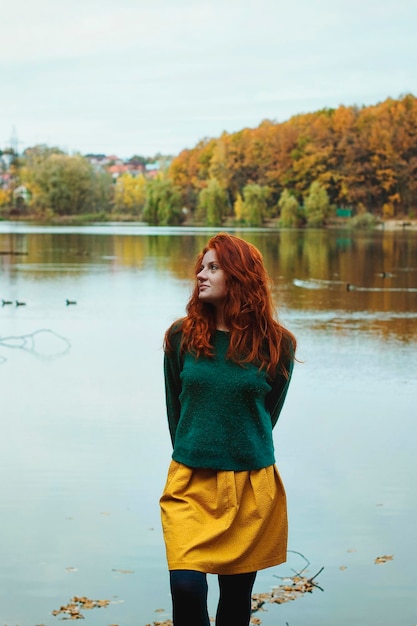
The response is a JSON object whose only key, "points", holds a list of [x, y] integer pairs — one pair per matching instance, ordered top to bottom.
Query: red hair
{"points": [[255, 336]]}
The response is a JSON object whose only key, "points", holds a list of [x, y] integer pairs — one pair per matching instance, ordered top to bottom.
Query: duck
{"points": [[5, 302], [69, 302], [19, 303]]}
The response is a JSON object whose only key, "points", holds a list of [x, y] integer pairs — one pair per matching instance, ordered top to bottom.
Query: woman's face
{"points": [[211, 280]]}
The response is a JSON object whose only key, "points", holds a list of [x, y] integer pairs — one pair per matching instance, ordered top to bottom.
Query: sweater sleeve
{"points": [[173, 385], [276, 397]]}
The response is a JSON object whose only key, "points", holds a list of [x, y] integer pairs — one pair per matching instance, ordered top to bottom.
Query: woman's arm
{"points": [[172, 371], [276, 397]]}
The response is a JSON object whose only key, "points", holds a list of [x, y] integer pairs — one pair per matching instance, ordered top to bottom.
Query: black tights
{"points": [[189, 598]]}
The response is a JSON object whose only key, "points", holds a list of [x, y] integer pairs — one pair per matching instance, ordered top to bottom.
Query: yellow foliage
{"points": [[130, 193], [4, 197], [238, 207], [388, 210]]}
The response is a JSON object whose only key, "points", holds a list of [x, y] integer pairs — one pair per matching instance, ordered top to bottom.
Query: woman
{"points": [[227, 368]]}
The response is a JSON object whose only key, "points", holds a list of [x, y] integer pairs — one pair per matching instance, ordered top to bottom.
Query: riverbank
{"points": [[403, 223], [406, 224]]}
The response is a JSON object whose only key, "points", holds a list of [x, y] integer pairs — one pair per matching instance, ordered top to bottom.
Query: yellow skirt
{"points": [[224, 522]]}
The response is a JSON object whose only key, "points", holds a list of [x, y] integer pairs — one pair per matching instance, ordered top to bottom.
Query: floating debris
{"points": [[383, 559], [298, 586], [293, 587], [74, 607]]}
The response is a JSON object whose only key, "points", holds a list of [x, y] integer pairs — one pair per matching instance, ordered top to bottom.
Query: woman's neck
{"points": [[220, 323], [222, 327]]}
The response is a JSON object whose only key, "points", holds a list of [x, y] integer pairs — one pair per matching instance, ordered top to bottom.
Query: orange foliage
{"points": [[362, 156]]}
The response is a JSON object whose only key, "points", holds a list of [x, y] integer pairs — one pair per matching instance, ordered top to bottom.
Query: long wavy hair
{"points": [[255, 336]]}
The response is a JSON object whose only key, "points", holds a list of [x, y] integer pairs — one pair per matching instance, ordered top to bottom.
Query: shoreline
{"points": [[405, 224]]}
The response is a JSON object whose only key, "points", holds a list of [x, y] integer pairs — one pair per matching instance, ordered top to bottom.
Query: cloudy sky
{"points": [[138, 77]]}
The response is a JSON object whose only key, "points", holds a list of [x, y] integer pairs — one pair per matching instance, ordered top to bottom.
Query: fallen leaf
{"points": [[383, 559], [76, 603]]}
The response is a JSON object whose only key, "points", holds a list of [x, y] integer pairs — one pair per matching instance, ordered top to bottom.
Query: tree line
{"points": [[362, 159], [297, 172]]}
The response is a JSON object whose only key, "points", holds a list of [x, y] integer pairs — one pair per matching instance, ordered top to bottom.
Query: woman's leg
{"points": [[189, 598], [235, 600]]}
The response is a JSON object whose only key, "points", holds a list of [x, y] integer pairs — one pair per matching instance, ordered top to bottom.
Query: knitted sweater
{"points": [[221, 414]]}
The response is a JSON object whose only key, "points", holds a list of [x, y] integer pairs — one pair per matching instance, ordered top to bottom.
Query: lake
{"points": [[85, 446]]}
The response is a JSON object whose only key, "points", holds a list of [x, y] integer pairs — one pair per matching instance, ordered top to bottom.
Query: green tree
{"points": [[64, 185], [102, 192], [212, 203], [255, 204], [163, 205], [316, 205], [289, 210]]}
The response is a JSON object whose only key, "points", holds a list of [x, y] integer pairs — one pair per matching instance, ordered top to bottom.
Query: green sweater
{"points": [[221, 414]]}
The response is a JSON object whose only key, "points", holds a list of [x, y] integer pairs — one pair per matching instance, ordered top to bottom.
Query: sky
{"points": [[140, 77]]}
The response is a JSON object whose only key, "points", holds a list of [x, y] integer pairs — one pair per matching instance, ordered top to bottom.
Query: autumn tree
{"points": [[362, 156], [218, 166], [130, 194], [5, 199], [238, 208]]}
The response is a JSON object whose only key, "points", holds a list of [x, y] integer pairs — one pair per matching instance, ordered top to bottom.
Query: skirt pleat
{"points": [[224, 522]]}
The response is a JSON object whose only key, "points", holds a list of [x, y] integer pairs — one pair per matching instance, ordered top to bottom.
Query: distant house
{"points": [[112, 159], [98, 161], [102, 161], [135, 168], [152, 169], [117, 170], [5, 178]]}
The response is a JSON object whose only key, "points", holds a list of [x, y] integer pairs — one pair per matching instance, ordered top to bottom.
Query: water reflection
{"points": [[311, 270]]}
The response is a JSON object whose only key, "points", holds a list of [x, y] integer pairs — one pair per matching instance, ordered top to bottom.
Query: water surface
{"points": [[85, 447]]}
